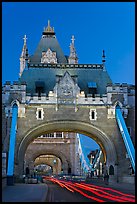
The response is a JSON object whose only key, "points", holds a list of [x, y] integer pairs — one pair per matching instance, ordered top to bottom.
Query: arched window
{"points": [[111, 170]]}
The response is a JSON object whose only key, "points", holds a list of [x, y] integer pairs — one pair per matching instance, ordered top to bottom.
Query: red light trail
{"points": [[98, 193]]}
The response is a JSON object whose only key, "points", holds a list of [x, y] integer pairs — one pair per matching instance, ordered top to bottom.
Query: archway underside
{"points": [[87, 129], [58, 154], [50, 160]]}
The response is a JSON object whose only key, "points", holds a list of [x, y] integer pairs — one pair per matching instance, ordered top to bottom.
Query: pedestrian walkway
{"points": [[21, 192]]}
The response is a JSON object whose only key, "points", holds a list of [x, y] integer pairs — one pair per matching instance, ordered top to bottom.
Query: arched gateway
{"points": [[56, 94], [106, 144]]}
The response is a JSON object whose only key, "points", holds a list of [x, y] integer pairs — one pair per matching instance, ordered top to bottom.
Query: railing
{"points": [[65, 66], [126, 137]]}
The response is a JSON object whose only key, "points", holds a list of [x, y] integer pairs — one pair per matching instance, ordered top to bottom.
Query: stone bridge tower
{"points": [[56, 94]]}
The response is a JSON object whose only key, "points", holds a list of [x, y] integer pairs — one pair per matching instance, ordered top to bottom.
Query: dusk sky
{"points": [[95, 25]]}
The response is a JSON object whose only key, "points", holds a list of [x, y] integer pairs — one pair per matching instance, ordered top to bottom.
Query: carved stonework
{"points": [[49, 57], [66, 90]]}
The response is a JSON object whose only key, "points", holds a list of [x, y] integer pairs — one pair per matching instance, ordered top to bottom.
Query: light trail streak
{"points": [[61, 184], [96, 190], [112, 190], [81, 192], [84, 194], [109, 196], [115, 196]]}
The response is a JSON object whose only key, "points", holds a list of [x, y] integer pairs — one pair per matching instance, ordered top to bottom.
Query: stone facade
{"points": [[69, 106], [68, 117], [64, 148]]}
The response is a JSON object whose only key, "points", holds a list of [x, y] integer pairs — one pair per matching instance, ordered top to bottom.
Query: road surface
{"points": [[71, 191]]}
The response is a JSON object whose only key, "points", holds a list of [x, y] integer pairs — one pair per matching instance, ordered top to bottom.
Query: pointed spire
{"points": [[48, 23], [48, 28], [25, 39], [72, 39], [24, 49], [24, 56], [103, 56], [73, 59], [103, 59]]}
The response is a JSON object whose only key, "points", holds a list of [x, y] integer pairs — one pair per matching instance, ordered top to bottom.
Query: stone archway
{"points": [[90, 130], [93, 132], [48, 160], [64, 162], [50, 171]]}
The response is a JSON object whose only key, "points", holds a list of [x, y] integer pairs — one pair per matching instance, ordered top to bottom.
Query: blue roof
{"points": [[44, 44], [48, 76], [94, 76]]}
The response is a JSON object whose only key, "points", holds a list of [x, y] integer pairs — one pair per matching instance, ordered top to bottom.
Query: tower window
{"points": [[40, 87], [92, 88], [39, 90], [39, 114], [93, 114]]}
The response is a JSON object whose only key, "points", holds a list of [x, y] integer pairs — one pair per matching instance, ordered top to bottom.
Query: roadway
{"points": [[66, 189], [60, 190], [58, 194]]}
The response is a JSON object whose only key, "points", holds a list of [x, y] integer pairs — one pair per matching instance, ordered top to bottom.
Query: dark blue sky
{"points": [[95, 25], [88, 144]]}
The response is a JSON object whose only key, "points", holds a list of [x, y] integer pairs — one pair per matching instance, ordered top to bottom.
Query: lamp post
{"points": [[54, 162]]}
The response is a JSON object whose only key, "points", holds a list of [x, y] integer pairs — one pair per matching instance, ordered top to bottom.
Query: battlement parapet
{"points": [[15, 82], [7, 83], [16, 86], [131, 86], [117, 87], [131, 90], [13, 91], [33, 99], [52, 99], [90, 99]]}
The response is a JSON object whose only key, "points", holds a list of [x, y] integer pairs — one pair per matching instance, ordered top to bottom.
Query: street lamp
{"points": [[54, 161]]}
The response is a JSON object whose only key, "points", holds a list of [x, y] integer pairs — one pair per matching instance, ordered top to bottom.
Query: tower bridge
{"points": [[56, 94]]}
